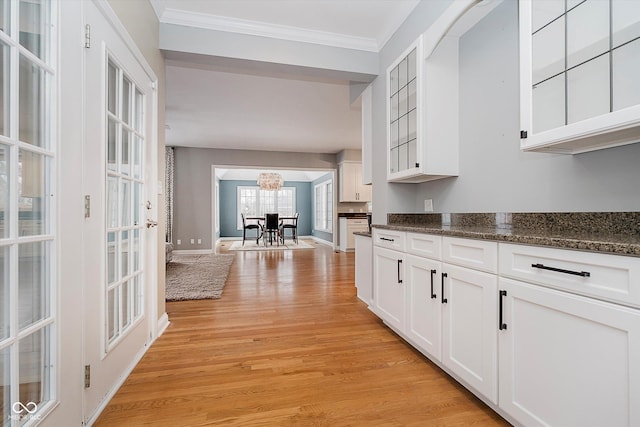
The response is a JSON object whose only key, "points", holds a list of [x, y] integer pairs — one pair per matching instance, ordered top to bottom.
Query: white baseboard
{"points": [[318, 240], [193, 252], [163, 324], [107, 398]]}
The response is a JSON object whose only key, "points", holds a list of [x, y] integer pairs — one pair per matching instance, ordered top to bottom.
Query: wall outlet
{"points": [[428, 205], [179, 241], [193, 241], [199, 241]]}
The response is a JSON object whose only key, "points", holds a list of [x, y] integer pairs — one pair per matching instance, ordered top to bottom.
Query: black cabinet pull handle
{"points": [[388, 240], [399, 263], [560, 270], [433, 272], [443, 299], [501, 324]]}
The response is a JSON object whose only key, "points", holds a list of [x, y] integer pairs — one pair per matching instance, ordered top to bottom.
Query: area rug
{"points": [[250, 245], [191, 277]]}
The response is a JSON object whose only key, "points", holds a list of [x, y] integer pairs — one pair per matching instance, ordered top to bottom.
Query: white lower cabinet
{"points": [[364, 267], [389, 287], [447, 311], [424, 320], [470, 327], [562, 350], [568, 360]]}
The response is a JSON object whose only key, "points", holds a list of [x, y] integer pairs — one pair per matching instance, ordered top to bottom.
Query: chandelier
{"points": [[270, 181]]}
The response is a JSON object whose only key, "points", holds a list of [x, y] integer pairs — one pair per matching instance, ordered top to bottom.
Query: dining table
{"points": [[261, 220]]}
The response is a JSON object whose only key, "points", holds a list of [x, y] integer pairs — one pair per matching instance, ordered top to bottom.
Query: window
{"points": [[125, 190], [252, 201], [324, 206], [28, 238]]}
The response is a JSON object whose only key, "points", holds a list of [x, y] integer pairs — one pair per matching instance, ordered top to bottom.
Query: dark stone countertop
{"points": [[608, 232], [362, 233]]}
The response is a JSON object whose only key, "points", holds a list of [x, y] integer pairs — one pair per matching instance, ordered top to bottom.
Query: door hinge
{"points": [[87, 36], [523, 134], [87, 206], [87, 376]]}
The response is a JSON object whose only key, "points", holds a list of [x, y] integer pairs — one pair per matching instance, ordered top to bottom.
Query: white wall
{"points": [[495, 175]]}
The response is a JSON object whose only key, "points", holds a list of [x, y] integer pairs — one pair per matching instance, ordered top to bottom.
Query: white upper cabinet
{"points": [[579, 69], [422, 98]]}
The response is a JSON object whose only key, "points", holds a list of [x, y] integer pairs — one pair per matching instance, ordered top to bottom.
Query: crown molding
{"points": [[261, 29]]}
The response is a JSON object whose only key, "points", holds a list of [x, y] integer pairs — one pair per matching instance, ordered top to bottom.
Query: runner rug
{"points": [[191, 277]]}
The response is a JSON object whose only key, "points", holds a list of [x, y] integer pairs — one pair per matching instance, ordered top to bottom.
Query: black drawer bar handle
{"points": [[387, 240], [399, 264], [560, 270], [433, 296], [443, 299], [501, 324]]}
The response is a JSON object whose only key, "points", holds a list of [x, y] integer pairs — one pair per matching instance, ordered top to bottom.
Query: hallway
{"points": [[287, 344]]}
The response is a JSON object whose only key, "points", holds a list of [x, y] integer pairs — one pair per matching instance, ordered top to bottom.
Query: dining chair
{"points": [[251, 226], [293, 226], [271, 228]]}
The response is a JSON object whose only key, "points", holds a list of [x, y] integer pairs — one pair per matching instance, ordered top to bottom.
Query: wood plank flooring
{"points": [[288, 344]]}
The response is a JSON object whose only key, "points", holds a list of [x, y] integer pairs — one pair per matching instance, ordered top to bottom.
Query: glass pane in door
{"points": [[545, 11], [625, 21], [34, 26], [587, 31], [547, 55], [626, 69], [4, 88], [588, 90], [548, 100], [4, 190], [33, 201], [33, 283], [5, 322], [35, 362]]}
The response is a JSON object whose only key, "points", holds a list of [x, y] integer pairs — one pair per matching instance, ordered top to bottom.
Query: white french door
{"points": [[119, 296], [28, 323]]}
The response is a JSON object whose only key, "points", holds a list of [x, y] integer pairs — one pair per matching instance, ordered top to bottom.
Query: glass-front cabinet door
{"points": [[580, 64], [403, 111]]}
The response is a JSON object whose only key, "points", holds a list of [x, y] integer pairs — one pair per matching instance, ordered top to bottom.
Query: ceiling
{"points": [[221, 102]]}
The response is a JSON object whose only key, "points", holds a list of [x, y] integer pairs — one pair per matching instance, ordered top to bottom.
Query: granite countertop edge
{"points": [[362, 233], [610, 245]]}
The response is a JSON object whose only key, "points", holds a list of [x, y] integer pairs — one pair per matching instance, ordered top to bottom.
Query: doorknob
{"points": [[151, 223]]}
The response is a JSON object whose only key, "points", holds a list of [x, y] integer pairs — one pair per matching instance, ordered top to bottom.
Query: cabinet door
{"points": [[577, 93], [347, 183], [363, 192], [389, 273], [424, 314], [470, 327], [568, 360]]}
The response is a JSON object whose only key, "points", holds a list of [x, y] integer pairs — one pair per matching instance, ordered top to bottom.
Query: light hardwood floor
{"points": [[288, 344]]}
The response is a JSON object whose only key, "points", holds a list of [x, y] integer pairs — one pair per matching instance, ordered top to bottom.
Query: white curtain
{"points": [[168, 194]]}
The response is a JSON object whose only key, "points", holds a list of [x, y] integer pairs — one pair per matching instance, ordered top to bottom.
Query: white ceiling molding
{"points": [[262, 29]]}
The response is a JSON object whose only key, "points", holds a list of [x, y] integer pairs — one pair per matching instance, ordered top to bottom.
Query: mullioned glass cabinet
{"points": [[579, 65]]}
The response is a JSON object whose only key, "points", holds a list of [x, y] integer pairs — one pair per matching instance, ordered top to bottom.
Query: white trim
{"points": [[105, 8], [274, 31], [318, 240], [193, 252], [163, 324], [112, 392]]}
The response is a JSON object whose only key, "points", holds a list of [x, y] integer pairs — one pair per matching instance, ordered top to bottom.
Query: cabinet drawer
{"points": [[389, 239], [426, 245], [477, 254], [610, 277]]}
